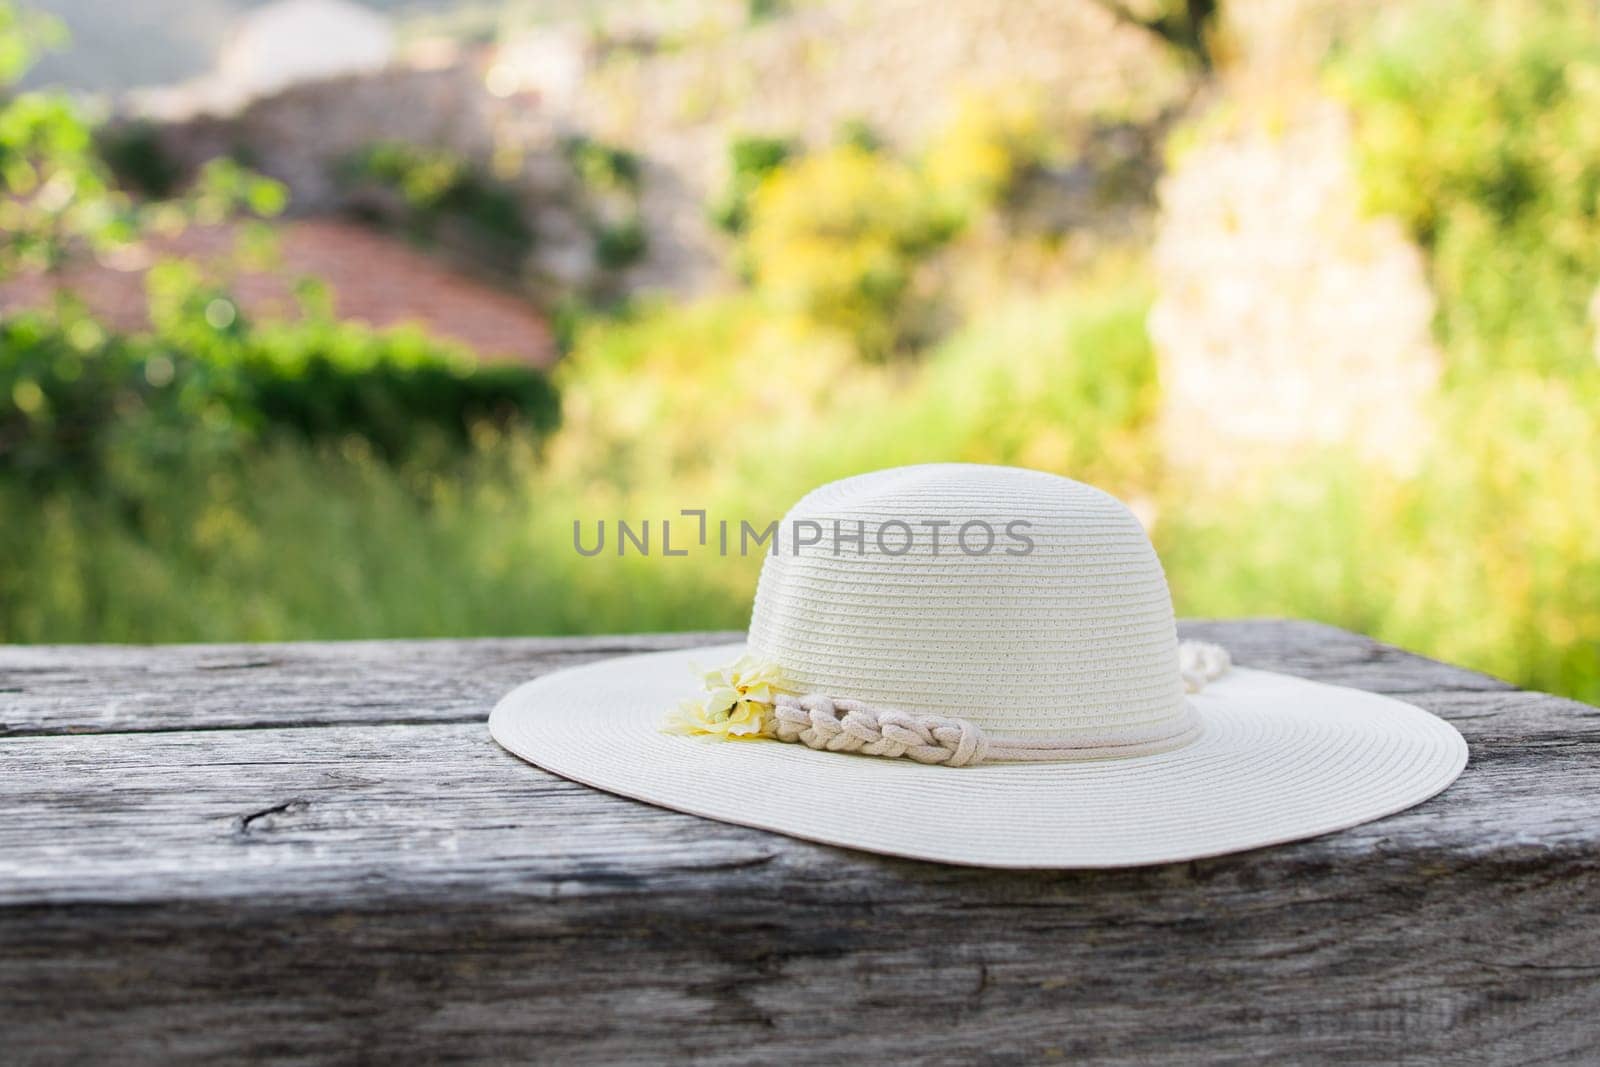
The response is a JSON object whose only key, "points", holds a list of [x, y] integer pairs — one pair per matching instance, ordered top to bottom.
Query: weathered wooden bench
{"points": [[314, 851]]}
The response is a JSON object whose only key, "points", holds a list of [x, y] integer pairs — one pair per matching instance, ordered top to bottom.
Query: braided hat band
{"points": [[848, 725]]}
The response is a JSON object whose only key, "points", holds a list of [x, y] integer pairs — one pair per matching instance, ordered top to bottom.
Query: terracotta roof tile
{"points": [[373, 278]]}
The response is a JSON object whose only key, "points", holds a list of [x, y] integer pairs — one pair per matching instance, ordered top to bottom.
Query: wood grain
{"points": [[311, 853]]}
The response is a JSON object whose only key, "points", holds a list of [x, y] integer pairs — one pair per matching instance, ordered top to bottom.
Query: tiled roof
{"points": [[372, 277]]}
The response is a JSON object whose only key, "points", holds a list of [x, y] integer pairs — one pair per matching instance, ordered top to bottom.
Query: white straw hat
{"points": [[979, 665]]}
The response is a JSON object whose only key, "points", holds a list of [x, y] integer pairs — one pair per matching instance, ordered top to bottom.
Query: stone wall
{"points": [[300, 135], [303, 135]]}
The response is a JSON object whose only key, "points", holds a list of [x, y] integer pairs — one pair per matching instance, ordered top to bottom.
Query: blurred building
{"points": [[276, 46]]}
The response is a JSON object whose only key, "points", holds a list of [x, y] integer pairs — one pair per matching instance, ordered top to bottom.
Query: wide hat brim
{"points": [[1278, 759]]}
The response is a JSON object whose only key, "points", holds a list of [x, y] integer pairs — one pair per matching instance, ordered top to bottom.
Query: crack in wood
{"points": [[288, 807]]}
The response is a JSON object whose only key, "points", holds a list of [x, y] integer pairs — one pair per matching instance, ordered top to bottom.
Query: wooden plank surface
{"points": [[315, 852]]}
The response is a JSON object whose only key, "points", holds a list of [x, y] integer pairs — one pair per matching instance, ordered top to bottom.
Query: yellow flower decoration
{"points": [[737, 705]]}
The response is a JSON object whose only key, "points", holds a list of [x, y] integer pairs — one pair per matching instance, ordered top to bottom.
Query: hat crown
{"points": [[1025, 602]]}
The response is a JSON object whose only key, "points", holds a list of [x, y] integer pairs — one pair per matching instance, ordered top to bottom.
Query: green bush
{"points": [[859, 133], [992, 142], [133, 151], [750, 159], [603, 168], [611, 180], [431, 192], [839, 235], [847, 235], [619, 245], [62, 387], [74, 398]]}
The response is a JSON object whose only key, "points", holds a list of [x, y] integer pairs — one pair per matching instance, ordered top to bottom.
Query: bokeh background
{"points": [[324, 320]]}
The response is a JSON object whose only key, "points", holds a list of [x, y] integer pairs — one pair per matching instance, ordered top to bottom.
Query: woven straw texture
{"points": [[1073, 640], [1279, 759]]}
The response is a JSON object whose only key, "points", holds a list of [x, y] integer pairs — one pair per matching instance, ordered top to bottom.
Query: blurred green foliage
{"points": [[761, 10], [1188, 27], [23, 34], [1476, 126], [859, 133], [994, 141], [133, 151], [750, 159], [602, 167], [611, 180], [54, 189], [438, 195], [838, 235], [847, 235], [618, 245], [77, 401], [148, 480], [302, 539], [331, 540], [1486, 556]]}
